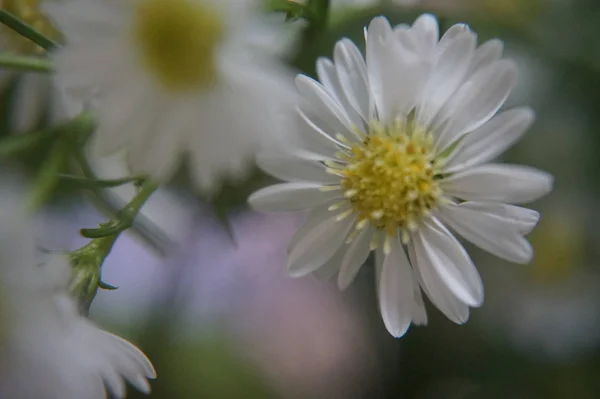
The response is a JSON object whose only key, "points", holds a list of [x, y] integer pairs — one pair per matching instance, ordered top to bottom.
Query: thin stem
{"points": [[27, 30], [25, 63], [104, 183], [108, 204], [126, 216]]}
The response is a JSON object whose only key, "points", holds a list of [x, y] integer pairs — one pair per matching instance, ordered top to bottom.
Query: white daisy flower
{"points": [[172, 78], [31, 96], [396, 147], [47, 349]]}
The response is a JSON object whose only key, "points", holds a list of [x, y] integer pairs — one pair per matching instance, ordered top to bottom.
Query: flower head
{"points": [[171, 79], [395, 146], [47, 348]]}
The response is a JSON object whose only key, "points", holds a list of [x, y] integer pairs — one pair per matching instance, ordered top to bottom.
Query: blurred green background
{"points": [[220, 319]]}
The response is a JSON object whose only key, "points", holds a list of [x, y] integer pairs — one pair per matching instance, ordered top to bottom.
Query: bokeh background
{"points": [[214, 309]]}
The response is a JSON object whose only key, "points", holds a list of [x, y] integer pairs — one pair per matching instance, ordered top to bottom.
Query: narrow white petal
{"points": [[378, 32], [426, 32], [485, 54], [455, 55], [352, 74], [404, 74], [328, 75], [477, 101], [326, 108], [490, 140], [323, 141], [289, 168], [499, 182], [288, 197], [314, 217], [523, 219], [486, 232], [312, 250], [356, 255], [379, 258], [451, 262], [332, 266], [432, 284], [396, 292], [419, 313]]}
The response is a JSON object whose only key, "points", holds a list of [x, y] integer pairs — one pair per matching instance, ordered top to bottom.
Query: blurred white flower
{"points": [[172, 78], [31, 95], [394, 148], [47, 348]]}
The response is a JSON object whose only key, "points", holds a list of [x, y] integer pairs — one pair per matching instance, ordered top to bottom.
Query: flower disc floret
{"points": [[178, 40], [391, 177]]}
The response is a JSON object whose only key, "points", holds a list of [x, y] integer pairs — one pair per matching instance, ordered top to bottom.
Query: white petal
{"points": [[378, 32], [426, 32], [487, 53], [352, 74], [328, 75], [403, 75], [447, 75], [477, 101], [321, 103], [315, 137], [490, 140], [289, 168], [499, 182], [288, 197], [314, 217], [523, 219], [488, 232], [312, 250], [356, 255], [379, 258], [450, 260], [331, 267], [434, 287], [396, 292], [419, 313]]}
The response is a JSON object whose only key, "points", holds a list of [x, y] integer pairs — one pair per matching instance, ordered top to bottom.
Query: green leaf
{"points": [[106, 286]]}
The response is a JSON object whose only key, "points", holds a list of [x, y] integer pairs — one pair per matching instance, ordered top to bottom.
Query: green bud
{"points": [[87, 265]]}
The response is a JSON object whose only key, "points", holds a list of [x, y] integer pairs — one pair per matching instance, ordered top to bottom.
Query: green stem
{"points": [[319, 12], [27, 30], [25, 63], [15, 144], [104, 183], [128, 214], [125, 217]]}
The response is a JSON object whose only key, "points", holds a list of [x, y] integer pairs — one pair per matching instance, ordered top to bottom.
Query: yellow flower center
{"points": [[29, 12], [177, 40], [391, 178]]}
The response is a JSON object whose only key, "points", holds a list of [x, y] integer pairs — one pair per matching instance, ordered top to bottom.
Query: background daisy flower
{"points": [[171, 79], [397, 146]]}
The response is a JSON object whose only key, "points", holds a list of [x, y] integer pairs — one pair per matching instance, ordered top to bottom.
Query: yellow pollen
{"points": [[29, 12], [177, 40], [392, 177]]}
